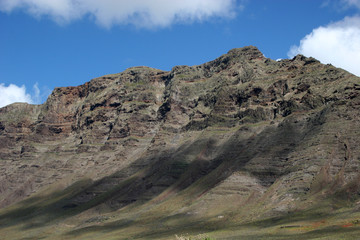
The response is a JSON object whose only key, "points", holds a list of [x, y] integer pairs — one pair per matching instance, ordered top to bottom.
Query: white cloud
{"points": [[355, 3], [141, 13], [337, 43], [13, 93], [36, 98]]}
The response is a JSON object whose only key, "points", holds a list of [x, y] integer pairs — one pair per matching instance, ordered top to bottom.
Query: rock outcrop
{"points": [[242, 137]]}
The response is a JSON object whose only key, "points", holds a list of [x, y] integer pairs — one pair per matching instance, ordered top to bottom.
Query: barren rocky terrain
{"points": [[242, 147]]}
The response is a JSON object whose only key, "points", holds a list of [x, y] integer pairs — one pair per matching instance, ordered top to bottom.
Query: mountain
{"points": [[242, 147]]}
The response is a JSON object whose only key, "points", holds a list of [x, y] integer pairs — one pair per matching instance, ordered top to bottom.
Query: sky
{"points": [[56, 43]]}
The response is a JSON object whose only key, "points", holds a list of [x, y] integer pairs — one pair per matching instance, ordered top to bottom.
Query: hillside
{"points": [[242, 146]]}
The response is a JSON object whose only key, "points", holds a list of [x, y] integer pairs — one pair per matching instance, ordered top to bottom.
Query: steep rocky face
{"points": [[266, 137]]}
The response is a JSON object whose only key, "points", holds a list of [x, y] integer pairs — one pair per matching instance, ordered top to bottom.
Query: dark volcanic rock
{"points": [[269, 136]]}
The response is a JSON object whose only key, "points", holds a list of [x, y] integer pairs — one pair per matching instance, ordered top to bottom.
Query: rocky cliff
{"points": [[148, 153]]}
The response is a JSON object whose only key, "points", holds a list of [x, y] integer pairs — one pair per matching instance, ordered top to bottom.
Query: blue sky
{"points": [[47, 44]]}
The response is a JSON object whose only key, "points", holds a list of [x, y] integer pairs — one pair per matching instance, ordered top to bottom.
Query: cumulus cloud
{"points": [[141, 13], [337, 43], [13, 93]]}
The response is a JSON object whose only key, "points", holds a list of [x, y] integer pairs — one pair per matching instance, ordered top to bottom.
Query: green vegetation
{"points": [[198, 237]]}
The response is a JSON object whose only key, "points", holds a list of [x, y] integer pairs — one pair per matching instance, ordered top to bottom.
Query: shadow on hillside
{"points": [[179, 168], [275, 228]]}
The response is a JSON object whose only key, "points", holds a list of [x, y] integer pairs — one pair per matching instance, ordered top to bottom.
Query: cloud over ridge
{"points": [[141, 13], [337, 43], [13, 93]]}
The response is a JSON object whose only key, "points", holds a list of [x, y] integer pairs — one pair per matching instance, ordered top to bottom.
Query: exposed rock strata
{"points": [[243, 129]]}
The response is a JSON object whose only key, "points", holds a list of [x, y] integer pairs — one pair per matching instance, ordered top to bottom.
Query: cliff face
{"points": [[242, 137]]}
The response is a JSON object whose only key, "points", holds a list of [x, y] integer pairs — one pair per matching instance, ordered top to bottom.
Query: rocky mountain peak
{"points": [[249, 52], [151, 149]]}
